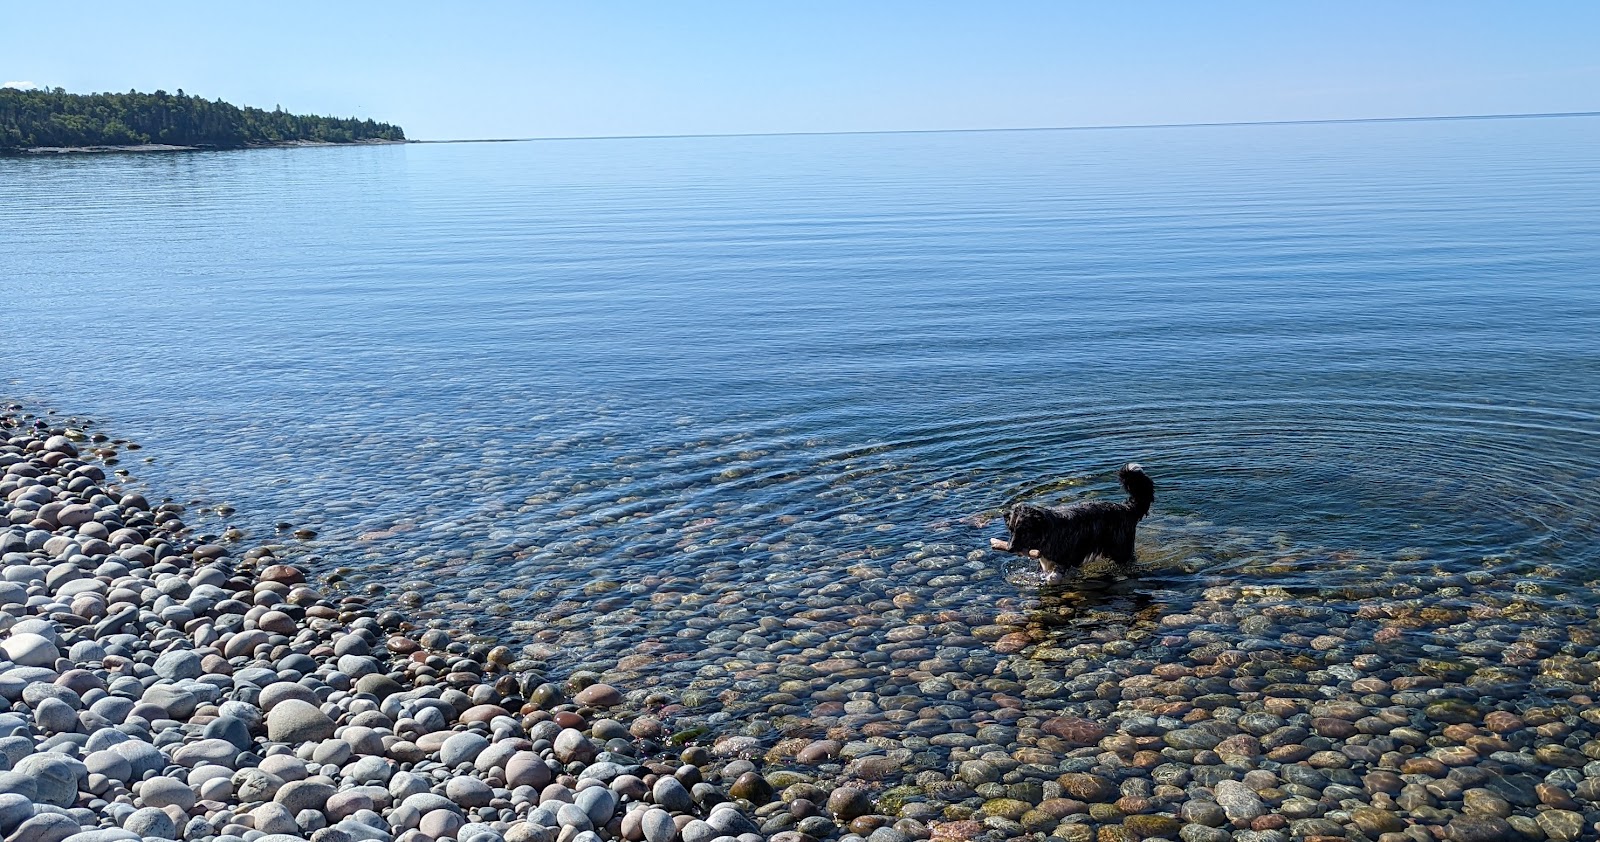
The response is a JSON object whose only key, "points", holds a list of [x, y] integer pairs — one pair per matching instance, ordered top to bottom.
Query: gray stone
{"points": [[30, 650], [178, 664], [279, 691], [178, 703], [56, 717], [297, 721], [231, 728], [571, 745], [462, 748], [203, 752], [142, 757], [526, 768], [370, 770], [56, 777], [16, 783], [252, 784], [468, 791], [161, 792], [669, 793], [304, 795], [427, 802], [600, 803], [14, 810], [571, 815], [273, 817], [151, 821], [728, 821], [437, 824], [658, 825], [46, 827], [698, 831], [361, 832], [530, 832], [110, 834]]}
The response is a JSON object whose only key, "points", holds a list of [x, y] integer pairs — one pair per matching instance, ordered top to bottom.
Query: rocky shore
{"points": [[162, 684], [157, 687]]}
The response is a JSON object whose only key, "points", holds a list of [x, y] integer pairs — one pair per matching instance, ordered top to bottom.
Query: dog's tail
{"points": [[1141, 491]]}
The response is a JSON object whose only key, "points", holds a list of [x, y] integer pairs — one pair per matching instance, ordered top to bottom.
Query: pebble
{"points": [[954, 720]]}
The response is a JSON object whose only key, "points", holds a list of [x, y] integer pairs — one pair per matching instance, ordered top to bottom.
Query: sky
{"points": [[592, 68]]}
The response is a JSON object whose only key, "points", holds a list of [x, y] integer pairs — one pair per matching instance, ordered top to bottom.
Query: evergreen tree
{"points": [[56, 118]]}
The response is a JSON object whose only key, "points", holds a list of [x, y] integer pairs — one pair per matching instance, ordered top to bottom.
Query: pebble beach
{"points": [[164, 683]]}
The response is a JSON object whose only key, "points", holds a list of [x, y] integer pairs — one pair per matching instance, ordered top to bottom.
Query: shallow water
{"points": [[621, 397]]}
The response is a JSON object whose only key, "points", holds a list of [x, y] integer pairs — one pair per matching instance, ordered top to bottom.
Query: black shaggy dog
{"points": [[1064, 537]]}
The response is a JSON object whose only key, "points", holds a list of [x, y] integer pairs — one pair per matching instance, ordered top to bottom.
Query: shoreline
{"points": [[166, 147], [169, 687], [165, 688]]}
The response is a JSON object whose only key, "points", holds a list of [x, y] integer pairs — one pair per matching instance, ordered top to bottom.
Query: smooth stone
{"points": [[30, 650], [178, 664], [599, 695], [178, 703], [56, 716], [297, 721], [231, 728], [571, 745], [462, 748], [213, 751], [142, 757], [527, 768], [371, 770], [56, 777], [253, 784], [468, 791], [162, 792], [670, 793], [304, 795], [598, 801], [427, 802], [848, 802], [14, 810], [571, 815], [273, 817], [151, 821], [437, 824], [1561, 825], [658, 826], [46, 827], [698, 831], [111, 834]]}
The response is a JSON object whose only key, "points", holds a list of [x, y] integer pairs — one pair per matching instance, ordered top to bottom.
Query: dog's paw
{"points": [[1000, 544]]}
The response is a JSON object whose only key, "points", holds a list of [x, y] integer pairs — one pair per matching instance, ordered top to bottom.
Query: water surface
{"points": [[669, 376]]}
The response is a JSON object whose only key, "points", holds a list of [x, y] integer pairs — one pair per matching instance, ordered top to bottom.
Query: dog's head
{"points": [[1027, 524]]}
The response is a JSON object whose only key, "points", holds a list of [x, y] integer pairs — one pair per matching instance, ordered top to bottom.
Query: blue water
{"points": [[509, 369]]}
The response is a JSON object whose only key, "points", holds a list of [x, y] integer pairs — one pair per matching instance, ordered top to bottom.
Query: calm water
{"points": [[508, 377]]}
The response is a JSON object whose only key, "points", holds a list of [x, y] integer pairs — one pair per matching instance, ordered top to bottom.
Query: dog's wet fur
{"points": [[1063, 538]]}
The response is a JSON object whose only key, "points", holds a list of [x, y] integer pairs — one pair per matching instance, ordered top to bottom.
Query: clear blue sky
{"points": [[508, 69]]}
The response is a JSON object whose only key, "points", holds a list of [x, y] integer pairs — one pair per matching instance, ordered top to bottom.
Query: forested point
{"points": [[31, 118]]}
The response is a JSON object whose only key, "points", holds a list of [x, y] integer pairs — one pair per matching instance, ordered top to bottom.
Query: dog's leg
{"points": [[1000, 544], [1047, 569]]}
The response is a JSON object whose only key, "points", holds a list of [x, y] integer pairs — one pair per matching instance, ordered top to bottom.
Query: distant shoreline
{"points": [[168, 147]]}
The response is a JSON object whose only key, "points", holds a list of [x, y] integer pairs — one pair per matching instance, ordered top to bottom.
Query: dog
{"points": [[1064, 537]]}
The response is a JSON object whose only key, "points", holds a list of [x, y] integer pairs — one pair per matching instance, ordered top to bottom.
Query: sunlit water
{"points": [[598, 389]]}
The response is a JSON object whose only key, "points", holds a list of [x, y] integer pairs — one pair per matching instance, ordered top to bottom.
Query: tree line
{"points": [[54, 117]]}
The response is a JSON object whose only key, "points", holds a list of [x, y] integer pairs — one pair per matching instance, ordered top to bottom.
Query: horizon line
{"points": [[1106, 127]]}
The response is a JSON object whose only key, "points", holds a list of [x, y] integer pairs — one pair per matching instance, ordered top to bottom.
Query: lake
{"points": [[704, 413]]}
